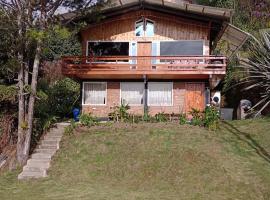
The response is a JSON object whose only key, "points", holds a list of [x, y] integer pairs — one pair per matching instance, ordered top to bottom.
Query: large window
{"points": [[144, 27], [181, 48], [108, 49], [94, 93], [132, 93], [160, 93]]}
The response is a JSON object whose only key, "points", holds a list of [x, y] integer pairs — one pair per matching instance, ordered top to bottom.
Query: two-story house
{"points": [[154, 55]]}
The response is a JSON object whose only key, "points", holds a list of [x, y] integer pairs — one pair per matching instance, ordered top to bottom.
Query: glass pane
{"points": [[139, 28], [149, 28], [108, 48], [181, 48], [154, 51], [133, 52], [95, 93], [132, 93], [160, 94]]}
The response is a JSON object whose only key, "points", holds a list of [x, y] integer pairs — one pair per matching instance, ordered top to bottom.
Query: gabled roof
{"points": [[179, 5], [173, 6], [219, 17]]}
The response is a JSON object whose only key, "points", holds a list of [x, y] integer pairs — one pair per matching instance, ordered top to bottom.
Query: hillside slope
{"points": [[155, 161]]}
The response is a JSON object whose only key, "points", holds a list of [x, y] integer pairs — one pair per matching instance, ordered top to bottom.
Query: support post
{"points": [[145, 96]]}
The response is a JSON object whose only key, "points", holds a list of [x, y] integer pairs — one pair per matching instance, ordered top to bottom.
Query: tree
{"points": [[32, 21]]}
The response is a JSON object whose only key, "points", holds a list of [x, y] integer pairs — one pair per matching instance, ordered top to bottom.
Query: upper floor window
{"points": [[144, 27], [108, 48]]}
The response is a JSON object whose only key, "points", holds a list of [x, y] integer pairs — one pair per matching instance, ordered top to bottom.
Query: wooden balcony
{"points": [[134, 67]]}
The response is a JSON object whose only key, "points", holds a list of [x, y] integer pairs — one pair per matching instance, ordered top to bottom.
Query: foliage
{"points": [[249, 15], [60, 42], [257, 70], [7, 93], [60, 99], [120, 113], [161, 117], [197, 117], [211, 118], [182, 119], [88, 120], [70, 129]]}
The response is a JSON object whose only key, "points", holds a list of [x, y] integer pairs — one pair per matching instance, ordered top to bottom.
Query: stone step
{"points": [[56, 131], [52, 137], [49, 142], [46, 146], [48, 151], [41, 156], [41, 159], [34, 160], [39, 162], [34, 169], [29, 175]]}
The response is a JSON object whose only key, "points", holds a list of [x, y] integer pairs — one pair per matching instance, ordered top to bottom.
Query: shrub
{"points": [[120, 113], [161, 117], [197, 117], [211, 118], [182, 119], [88, 120], [69, 129]]}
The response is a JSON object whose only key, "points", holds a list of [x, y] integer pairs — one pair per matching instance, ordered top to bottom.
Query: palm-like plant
{"points": [[257, 70]]}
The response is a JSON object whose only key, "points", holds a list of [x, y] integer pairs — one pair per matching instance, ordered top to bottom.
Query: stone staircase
{"points": [[39, 162]]}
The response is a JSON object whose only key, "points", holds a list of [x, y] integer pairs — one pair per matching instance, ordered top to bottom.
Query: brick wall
{"points": [[113, 99]]}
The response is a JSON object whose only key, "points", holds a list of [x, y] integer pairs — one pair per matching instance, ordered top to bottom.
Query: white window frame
{"points": [[144, 26], [135, 27], [182, 40], [158, 49], [83, 91], [172, 93], [129, 103]]}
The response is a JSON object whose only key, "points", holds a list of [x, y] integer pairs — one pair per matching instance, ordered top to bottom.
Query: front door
{"points": [[144, 49], [195, 96]]}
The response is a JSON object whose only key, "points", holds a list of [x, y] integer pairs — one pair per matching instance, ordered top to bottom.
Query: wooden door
{"points": [[144, 49], [194, 96]]}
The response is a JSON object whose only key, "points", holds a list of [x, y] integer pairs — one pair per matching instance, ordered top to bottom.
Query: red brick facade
{"points": [[113, 99]]}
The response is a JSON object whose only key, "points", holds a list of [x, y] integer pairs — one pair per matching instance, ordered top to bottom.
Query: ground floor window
{"points": [[94, 93], [132, 93], [160, 93]]}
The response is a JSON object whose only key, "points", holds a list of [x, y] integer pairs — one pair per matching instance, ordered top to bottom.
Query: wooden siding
{"points": [[167, 27]]}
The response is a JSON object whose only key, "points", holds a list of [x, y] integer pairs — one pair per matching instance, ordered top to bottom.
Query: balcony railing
{"points": [[146, 64]]}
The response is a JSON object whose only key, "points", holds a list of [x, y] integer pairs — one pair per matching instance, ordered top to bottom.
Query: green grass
{"points": [[155, 161]]}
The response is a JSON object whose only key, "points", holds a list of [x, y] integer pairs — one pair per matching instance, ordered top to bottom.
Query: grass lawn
{"points": [[155, 161]]}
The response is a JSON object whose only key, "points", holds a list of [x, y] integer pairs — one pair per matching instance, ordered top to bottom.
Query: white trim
{"points": [[142, 19], [144, 24], [130, 51], [172, 86], [106, 94], [129, 103]]}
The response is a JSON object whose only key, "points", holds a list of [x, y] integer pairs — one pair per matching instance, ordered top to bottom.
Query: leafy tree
{"points": [[32, 22]]}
